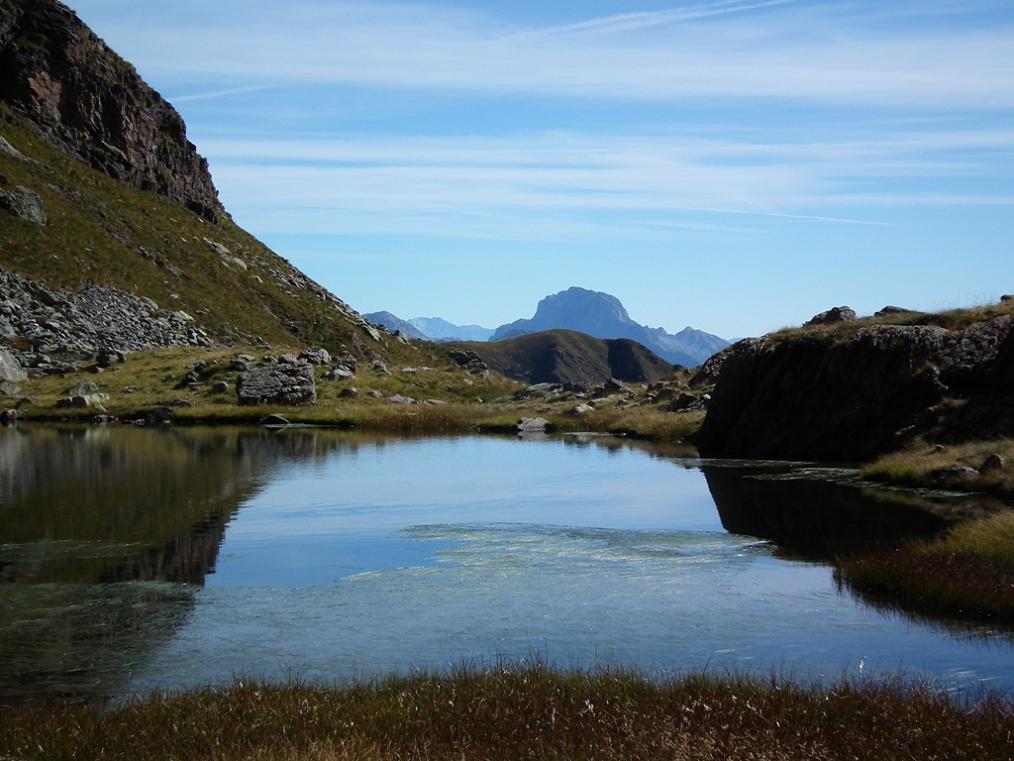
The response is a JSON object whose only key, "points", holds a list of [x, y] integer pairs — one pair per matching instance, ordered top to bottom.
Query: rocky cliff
{"points": [[85, 99], [856, 390]]}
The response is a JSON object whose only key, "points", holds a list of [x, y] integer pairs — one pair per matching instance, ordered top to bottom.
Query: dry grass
{"points": [[953, 319], [925, 465], [968, 573], [527, 712]]}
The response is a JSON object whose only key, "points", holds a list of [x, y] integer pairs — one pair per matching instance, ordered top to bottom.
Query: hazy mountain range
{"points": [[591, 312], [603, 316]]}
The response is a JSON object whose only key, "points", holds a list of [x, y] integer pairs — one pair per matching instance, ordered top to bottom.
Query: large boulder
{"points": [[10, 369], [282, 383]]}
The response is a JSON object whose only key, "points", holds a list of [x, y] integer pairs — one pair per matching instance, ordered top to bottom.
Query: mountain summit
{"points": [[604, 316]]}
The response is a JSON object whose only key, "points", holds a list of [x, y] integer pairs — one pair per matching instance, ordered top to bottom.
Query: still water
{"points": [[133, 560]]}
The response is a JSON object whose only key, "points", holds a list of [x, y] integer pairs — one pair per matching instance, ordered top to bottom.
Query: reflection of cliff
{"points": [[82, 510], [819, 516]]}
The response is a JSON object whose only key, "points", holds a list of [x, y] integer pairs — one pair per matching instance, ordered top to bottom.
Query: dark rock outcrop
{"points": [[89, 102], [279, 383], [821, 397]]}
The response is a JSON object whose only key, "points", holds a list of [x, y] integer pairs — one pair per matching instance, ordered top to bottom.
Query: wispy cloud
{"points": [[627, 22], [841, 51], [216, 94], [680, 181]]}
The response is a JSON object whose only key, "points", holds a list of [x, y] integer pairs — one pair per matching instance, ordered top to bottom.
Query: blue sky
{"points": [[737, 165]]}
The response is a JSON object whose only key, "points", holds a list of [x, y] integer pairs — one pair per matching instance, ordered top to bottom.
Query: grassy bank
{"points": [[448, 399], [962, 466], [969, 573], [523, 713]]}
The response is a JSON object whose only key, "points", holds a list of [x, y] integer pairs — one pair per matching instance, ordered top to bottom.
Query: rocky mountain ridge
{"points": [[85, 99], [603, 316]]}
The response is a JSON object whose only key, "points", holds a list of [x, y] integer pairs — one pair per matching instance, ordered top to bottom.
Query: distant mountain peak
{"points": [[602, 315]]}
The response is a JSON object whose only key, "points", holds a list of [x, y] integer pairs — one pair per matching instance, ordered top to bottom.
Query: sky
{"points": [[735, 165]]}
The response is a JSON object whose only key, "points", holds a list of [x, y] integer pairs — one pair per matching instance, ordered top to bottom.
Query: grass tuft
{"points": [[523, 712]]}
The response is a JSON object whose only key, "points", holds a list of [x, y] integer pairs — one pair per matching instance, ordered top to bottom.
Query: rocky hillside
{"points": [[92, 104], [111, 234], [603, 316], [393, 324], [564, 356], [850, 389]]}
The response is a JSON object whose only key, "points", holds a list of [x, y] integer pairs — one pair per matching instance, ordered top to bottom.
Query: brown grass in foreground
{"points": [[969, 573], [531, 713]]}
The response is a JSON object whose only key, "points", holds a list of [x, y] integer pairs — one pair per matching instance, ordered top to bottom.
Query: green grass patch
{"points": [[926, 465], [524, 712]]}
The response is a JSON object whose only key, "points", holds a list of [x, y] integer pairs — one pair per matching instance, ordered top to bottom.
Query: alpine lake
{"points": [[137, 559]]}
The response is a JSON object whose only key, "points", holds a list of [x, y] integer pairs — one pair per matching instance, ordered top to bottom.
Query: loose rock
{"points": [[269, 420], [992, 463]]}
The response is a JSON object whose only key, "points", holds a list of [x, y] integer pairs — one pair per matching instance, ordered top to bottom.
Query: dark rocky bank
{"points": [[854, 394]]}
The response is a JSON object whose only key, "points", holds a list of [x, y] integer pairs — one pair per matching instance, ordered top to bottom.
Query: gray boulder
{"points": [[24, 204], [832, 316], [316, 356], [347, 362], [10, 369], [339, 373], [288, 384], [399, 399], [532, 425]]}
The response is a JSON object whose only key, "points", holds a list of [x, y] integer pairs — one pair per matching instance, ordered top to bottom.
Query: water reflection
{"points": [[83, 511], [132, 559]]}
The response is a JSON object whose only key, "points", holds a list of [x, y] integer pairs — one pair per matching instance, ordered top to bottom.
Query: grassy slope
{"points": [[96, 226], [567, 356], [149, 378], [523, 713]]}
